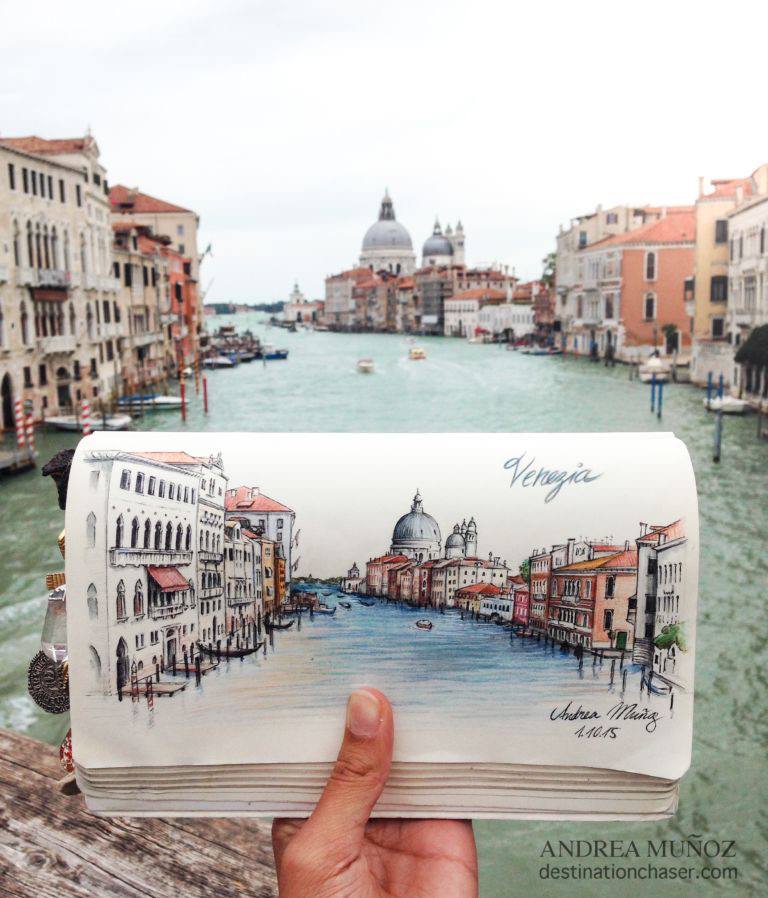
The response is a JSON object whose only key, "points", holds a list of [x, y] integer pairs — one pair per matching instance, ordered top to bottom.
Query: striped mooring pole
{"points": [[18, 413], [85, 418], [29, 426]]}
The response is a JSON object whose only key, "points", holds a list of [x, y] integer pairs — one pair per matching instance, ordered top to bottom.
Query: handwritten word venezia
{"points": [[529, 476]]}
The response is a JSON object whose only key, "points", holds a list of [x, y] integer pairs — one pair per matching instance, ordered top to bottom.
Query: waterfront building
{"points": [[387, 245], [55, 270], [748, 278], [432, 286], [543, 302], [300, 310], [339, 310], [462, 311], [513, 319], [143, 352], [712, 352], [266, 516], [540, 571], [257, 572], [377, 573], [268, 574], [452, 574], [353, 582], [659, 584], [240, 586], [471, 598], [521, 600], [143, 602], [590, 602], [497, 607]]}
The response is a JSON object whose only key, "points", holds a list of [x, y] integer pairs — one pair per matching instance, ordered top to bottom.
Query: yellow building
{"points": [[711, 350], [269, 574]]}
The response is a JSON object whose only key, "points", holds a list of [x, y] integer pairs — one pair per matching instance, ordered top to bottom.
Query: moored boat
{"points": [[218, 361], [654, 369], [151, 401], [728, 405], [97, 422], [366, 603], [345, 604], [324, 609], [424, 624], [285, 626], [230, 652]]}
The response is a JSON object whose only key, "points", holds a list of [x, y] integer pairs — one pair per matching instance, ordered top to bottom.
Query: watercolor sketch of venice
{"points": [[202, 595]]}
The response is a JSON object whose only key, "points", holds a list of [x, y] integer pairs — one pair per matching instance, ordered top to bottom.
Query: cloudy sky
{"points": [[282, 123]]}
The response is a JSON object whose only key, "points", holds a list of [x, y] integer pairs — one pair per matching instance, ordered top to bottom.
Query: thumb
{"points": [[359, 774]]}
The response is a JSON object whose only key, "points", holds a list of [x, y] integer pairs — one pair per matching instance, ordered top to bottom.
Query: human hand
{"points": [[340, 853]]}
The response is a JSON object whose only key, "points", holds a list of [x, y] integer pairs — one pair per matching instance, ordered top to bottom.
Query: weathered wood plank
{"points": [[51, 847]]}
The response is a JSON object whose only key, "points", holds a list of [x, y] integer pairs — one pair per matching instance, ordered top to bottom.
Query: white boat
{"points": [[416, 354], [218, 361], [365, 366], [654, 368], [152, 402], [728, 405], [98, 422]]}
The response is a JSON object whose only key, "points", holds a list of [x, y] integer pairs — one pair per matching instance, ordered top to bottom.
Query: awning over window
{"points": [[49, 294], [169, 579]]}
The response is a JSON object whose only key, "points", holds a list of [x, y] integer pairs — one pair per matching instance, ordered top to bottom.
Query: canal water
{"points": [[485, 388]]}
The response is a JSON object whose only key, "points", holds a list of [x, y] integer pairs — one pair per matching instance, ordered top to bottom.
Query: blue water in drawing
{"points": [[460, 669]]}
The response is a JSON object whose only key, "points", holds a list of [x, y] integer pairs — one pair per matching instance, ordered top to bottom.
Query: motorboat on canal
{"points": [[270, 354], [416, 354], [218, 361], [365, 366], [654, 369], [151, 401], [728, 405], [97, 422], [346, 605], [325, 609], [424, 624]]}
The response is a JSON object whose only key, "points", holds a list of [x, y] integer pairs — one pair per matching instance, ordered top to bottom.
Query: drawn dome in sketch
{"points": [[417, 534]]}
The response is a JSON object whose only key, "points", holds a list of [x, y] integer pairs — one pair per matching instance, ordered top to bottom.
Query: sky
{"points": [[281, 124]]}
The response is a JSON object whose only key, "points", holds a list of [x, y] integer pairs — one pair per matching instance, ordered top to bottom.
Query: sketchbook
{"points": [[526, 601]]}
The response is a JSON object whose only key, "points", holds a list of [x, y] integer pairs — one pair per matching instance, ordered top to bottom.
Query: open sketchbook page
{"points": [[521, 598]]}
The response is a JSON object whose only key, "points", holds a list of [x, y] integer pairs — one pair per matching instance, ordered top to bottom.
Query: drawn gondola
{"points": [[366, 603], [345, 604], [231, 652]]}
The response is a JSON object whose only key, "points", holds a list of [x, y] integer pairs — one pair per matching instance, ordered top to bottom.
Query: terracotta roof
{"points": [[40, 146], [726, 187], [126, 199], [675, 227], [405, 282], [171, 458], [246, 498], [671, 531], [250, 534], [606, 547], [625, 558], [386, 559], [169, 579], [484, 589]]}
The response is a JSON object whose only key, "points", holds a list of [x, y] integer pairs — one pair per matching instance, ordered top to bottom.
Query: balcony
{"points": [[26, 277], [52, 277], [90, 281], [113, 329], [148, 338], [59, 344], [206, 555], [123, 556], [211, 592], [240, 600], [163, 612]]}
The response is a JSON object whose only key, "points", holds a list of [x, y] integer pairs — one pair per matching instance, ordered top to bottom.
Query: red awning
{"points": [[49, 294], [169, 579]]}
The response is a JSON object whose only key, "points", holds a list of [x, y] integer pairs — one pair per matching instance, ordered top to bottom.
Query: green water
{"points": [[469, 387]]}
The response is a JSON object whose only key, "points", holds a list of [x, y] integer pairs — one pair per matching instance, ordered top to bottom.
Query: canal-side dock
{"points": [[52, 847]]}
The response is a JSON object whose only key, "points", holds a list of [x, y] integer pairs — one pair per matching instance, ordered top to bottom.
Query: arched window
{"points": [[16, 244], [30, 246], [55, 249], [67, 261], [650, 266], [72, 320], [90, 530], [119, 532], [134, 533], [147, 533], [158, 535], [168, 536], [179, 537], [201, 539], [207, 539], [188, 540], [138, 598], [93, 603], [120, 604]]}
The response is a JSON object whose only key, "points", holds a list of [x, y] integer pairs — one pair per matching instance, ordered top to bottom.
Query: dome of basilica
{"points": [[387, 232], [415, 529]]}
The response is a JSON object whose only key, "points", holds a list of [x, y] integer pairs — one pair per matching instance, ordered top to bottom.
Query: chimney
{"points": [[626, 545], [569, 553]]}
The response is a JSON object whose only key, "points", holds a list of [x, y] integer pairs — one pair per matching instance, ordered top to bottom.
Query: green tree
{"points": [[549, 269], [525, 569]]}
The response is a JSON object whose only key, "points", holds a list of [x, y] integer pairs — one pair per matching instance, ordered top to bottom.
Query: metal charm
{"points": [[48, 684]]}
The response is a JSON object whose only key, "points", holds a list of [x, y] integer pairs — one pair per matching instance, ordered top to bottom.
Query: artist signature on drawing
{"points": [[529, 475], [621, 712]]}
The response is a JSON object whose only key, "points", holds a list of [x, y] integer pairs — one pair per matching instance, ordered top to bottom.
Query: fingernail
{"points": [[363, 714]]}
